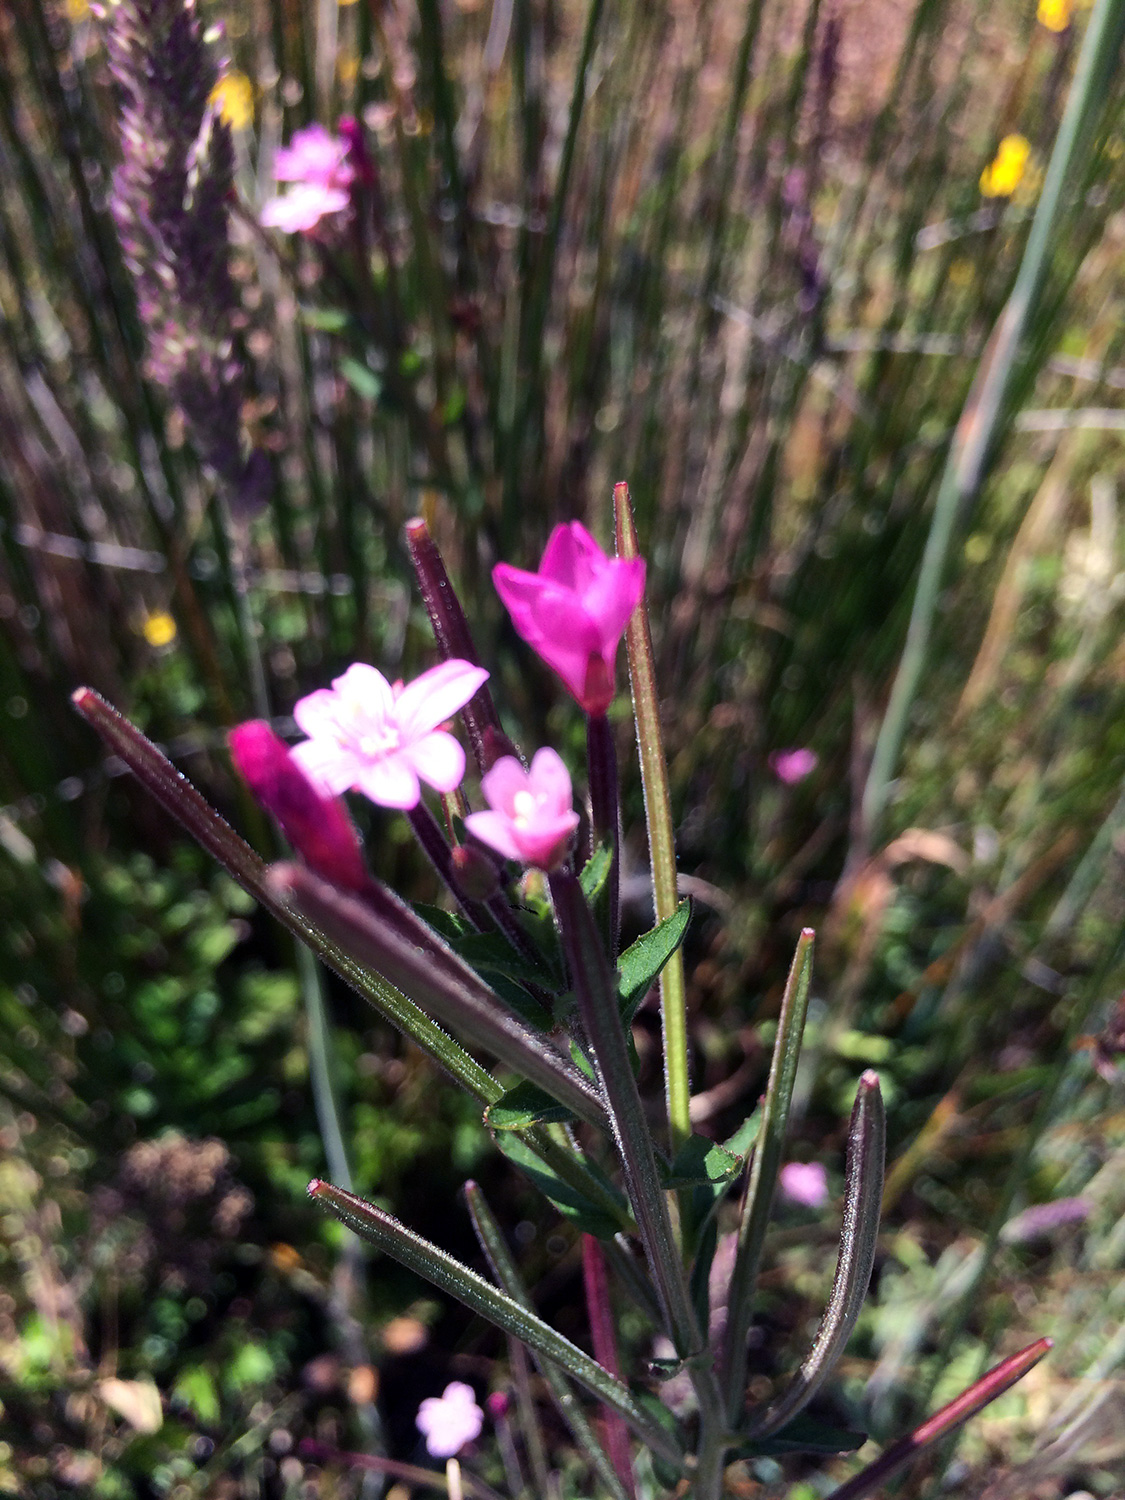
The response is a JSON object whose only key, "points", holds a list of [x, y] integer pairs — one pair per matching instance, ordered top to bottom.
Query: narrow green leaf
{"points": [[325, 319], [643, 961], [525, 1105], [863, 1198], [758, 1202], [442, 1270], [803, 1436]]}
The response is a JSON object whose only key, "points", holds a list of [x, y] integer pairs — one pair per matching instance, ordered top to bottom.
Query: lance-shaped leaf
{"points": [[454, 638], [177, 796], [661, 840], [382, 933], [643, 960], [597, 1002], [763, 1174], [863, 1192], [504, 1268], [480, 1296], [943, 1422]]}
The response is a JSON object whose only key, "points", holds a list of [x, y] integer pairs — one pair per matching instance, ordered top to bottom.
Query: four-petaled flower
{"points": [[317, 164], [574, 611], [367, 736], [792, 766], [532, 812], [804, 1182], [450, 1420]]}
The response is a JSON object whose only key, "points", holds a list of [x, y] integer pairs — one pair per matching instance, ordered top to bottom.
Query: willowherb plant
{"points": [[172, 193], [523, 966]]}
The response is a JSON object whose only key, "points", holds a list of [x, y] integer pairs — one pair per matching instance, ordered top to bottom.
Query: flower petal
{"points": [[436, 696], [438, 759], [331, 769], [550, 779], [502, 781], [391, 782], [495, 830], [544, 842]]}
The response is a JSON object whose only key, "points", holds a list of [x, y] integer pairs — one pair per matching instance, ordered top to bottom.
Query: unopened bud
{"points": [[474, 873]]}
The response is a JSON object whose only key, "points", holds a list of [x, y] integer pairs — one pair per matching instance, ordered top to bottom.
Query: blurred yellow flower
{"points": [[77, 10], [1054, 14], [347, 66], [234, 97], [1002, 175], [159, 628]]}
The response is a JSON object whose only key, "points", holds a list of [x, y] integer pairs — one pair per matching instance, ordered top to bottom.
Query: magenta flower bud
{"points": [[574, 611], [792, 766], [531, 815], [317, 826], [474, 873], [498, 1405]]}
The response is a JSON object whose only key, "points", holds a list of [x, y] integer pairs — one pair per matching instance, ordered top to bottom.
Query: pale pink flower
{"points": [[318, 165], [574, 611], [367, 736], [792, 766], [532, 812], [804, 1182], [450, 1420]]}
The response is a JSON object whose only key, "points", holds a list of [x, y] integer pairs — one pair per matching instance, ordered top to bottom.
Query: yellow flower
{"points": [[77, 10], [1054, 14], [347, 66], [234, 97], [1002, 175], [159, 629]]}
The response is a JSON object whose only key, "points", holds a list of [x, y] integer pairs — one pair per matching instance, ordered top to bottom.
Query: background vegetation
{"points": [[748, 256]]}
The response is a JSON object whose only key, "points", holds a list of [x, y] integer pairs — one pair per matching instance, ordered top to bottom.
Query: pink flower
{"points": [[317, 163], [574, 611], [368, 736], [792, 766], [532, 812], [318, 827], [805, 1183], [450, 1420]]}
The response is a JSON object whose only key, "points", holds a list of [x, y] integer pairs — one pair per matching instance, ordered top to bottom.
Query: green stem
{"points": [[979, 424], [661, 840]]}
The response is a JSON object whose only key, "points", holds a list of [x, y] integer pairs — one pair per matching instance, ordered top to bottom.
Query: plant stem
{"points": [[601, 763], [661, 839]]}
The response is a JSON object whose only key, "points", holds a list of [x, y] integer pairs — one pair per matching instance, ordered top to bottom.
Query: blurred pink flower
{"points": [[317, 163], [574, 611], [368, 736], [793, 765], [532, 812], [317, 826], [805, 1183], [1038, 1220], [450, 1420]]}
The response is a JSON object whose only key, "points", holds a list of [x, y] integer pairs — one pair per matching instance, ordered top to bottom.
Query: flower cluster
{"points": [[318, 166], [384, 740]]}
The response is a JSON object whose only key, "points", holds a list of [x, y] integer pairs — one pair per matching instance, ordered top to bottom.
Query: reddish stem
{"points": [[604, 1337]]}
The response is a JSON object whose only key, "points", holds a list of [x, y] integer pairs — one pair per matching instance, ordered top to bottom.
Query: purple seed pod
{"points": [[171, 203]]}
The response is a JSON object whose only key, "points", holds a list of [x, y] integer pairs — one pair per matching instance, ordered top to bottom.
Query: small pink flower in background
{"points": [[317, 165], [574, 611], [365, 735], [792, 766], [532, 812], [317, 826], [805, 1183], [1041, 1218], [498, 1404], [450, 1420]]}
